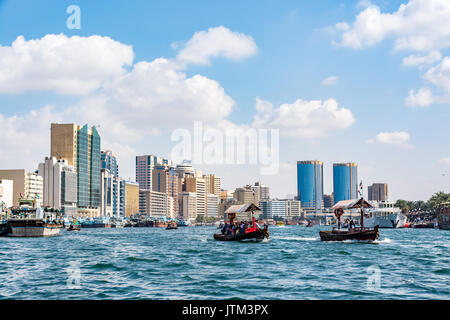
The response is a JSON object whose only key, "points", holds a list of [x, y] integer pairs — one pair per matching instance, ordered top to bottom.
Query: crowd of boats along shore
{"points": [[240, 222]]}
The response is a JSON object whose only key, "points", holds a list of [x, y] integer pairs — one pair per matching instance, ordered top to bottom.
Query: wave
{"points": [[296, 238]]}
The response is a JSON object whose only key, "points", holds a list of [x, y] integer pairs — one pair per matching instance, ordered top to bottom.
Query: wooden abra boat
{"points": [[241, 213], [172, 226], [73, 228], [352, 234], [364, 234], [258, 235]]}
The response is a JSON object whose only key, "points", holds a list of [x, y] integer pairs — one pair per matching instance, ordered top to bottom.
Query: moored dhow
{"points": [[443, 216], [27, 221], [353, 233]]}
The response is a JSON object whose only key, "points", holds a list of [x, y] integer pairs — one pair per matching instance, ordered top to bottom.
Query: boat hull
{"points": [[390, 221], [96, 225], [34, 228], [5, 229], [258, 235], [339, 235]]}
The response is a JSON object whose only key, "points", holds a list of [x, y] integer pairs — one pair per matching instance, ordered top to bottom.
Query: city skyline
{"points": [[311, 71]]}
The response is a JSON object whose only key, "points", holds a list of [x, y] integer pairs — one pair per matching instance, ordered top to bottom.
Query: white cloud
{"points": [[363, 4], [420, 25], [216, 42], [419, 60], [75, 65], [440, 75], [330, 81], [422, 98], [128, 105], [304, 119], [23, 138], [398, 138], [445, 161]]}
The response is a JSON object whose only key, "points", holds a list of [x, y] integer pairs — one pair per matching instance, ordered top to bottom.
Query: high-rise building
{"points": [[80, 146], [109, 161], [144, 169], [184, 169], [166, 180], [345, 181], [212, 184], [26, 185], [60, 185], [197, 185], [310, 185], [262, 190], [378, 192], [106, 193], [6, 194], [247, 195], [131, 198], [187, 202], [156, 204], [212, 205], [284, 208]]}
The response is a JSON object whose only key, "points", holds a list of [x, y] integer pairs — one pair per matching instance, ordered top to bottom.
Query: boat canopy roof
{"points": [[352, 204], [243, 208]]}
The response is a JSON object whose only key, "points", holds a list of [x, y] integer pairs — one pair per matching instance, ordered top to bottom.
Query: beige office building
{"points": [[212, 184], [26, 185], [197, 185], [378, 192], [247, 195], [131, 198], [187, 202], [156, 204]]}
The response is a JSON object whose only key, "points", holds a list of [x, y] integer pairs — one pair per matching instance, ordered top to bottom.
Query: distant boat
{"points": [[386, 215], [443, 216], [99, 222], [184, 223], [280, 224], [424, 225], [172, 226], [73, 227]]}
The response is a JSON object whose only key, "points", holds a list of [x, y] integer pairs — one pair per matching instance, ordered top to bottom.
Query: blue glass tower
{"points": [[109, 161], [88, 167], [345, 181], [310, 185]]}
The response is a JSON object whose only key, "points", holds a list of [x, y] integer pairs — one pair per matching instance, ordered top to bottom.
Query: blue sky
{"points": [[295, 53]]}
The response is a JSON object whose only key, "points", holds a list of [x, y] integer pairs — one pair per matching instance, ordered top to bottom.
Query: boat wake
{"points": [[297, 238], [385, 240]]}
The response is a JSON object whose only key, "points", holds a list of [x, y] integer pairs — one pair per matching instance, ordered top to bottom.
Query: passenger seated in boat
{"points": [[352, 224], [225, 228], [242, 230]]}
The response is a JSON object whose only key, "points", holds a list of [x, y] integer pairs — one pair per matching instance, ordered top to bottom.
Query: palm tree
{"points": [[437, 199]]}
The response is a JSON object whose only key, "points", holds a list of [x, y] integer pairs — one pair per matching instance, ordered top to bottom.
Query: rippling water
{"points": [[151, 263]]}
